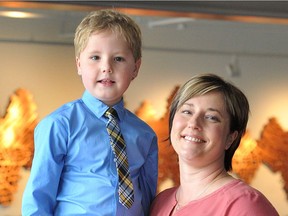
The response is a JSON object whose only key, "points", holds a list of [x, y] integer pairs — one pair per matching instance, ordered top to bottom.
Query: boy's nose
{"points": [[106, 66], [107, 70]]}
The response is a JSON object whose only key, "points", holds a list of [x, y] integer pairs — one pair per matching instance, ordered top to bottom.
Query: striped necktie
{"points": [[125, 191]]}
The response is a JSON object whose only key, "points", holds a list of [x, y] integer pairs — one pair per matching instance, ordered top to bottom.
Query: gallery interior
{"points": [[244, 42]]}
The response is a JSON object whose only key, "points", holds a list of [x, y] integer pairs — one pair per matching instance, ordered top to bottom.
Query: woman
{"points": [[208, 117]]}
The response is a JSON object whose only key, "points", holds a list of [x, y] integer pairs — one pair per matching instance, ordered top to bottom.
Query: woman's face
{"points": [[200, 130]]}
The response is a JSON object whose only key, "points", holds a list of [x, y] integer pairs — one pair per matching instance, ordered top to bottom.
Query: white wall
{"points": [[49, 73]]}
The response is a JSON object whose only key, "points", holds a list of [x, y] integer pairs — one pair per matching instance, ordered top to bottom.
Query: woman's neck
{"points": [[195, 184]]}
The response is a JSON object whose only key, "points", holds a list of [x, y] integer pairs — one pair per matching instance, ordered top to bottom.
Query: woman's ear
{"points": [[231, 138]]}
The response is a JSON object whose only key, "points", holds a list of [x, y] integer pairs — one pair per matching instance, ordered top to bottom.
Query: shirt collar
{"points": [[99, 108]]}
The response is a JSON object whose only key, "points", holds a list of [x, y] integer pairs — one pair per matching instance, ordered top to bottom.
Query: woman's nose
{"points": [[194, 123]]}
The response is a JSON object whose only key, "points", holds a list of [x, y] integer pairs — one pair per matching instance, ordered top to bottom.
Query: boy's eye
{"points": [[95, 57], [118, 59]]}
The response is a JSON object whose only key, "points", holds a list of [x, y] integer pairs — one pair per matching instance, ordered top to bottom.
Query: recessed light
{"points": [[19, 14]]}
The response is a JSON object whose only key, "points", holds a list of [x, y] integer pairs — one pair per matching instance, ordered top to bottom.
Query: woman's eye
{"points": [[119, 59], [186, 111], [212, 118]]}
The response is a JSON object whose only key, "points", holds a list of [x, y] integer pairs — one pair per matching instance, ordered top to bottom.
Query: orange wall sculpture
{"points": [[16, 142], [17, 146]]}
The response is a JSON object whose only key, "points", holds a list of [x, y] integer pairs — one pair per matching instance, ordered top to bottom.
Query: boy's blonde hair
{"points": [[109, 20]]}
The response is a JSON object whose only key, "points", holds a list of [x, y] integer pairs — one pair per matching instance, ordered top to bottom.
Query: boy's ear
{"points": [[78, 66], [137, 67]]}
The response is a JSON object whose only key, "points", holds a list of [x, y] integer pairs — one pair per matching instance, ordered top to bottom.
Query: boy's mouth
{"points": [[106, 81]]}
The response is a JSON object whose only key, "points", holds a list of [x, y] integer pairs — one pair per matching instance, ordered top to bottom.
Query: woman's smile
{"points": [[193, 139]]}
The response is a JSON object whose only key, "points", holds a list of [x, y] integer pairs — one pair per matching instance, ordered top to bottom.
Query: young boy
{"points": [[74, 168]]}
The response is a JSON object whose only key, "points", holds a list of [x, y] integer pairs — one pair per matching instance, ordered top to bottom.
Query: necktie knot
{"points": [[111, 113]]}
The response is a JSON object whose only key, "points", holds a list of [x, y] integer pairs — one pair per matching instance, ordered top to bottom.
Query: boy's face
{"points": [[107, 67]]}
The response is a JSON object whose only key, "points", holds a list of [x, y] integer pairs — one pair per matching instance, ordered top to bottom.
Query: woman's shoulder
{"points": [[238, 188], [168, 191], [239, 193], [166, 195], [164, 202]]}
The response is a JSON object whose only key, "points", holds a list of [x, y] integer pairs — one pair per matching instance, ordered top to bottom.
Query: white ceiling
{"points": [[161, 32]]}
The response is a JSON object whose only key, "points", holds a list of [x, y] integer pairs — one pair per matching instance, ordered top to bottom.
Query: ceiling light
{"points": [[18, 14], [171, 21]]}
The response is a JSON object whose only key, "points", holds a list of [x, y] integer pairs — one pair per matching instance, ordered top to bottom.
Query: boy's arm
{"points": [[149, 176], [39, 197]]}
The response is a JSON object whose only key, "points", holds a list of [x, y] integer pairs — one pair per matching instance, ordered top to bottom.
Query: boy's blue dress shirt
{"points": [[73, 170]]}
